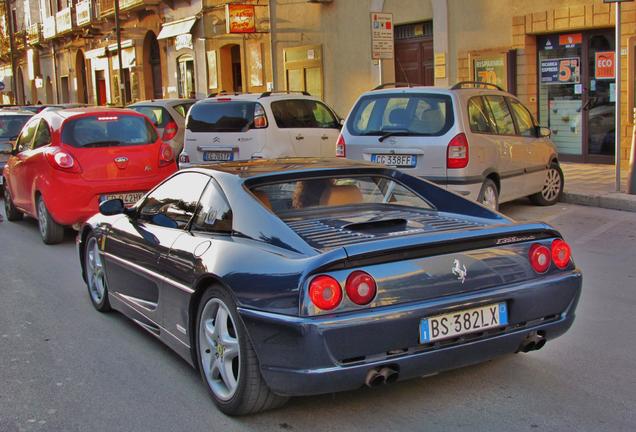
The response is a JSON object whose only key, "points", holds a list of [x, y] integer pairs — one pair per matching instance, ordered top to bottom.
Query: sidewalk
{"points": [[594, 185]]}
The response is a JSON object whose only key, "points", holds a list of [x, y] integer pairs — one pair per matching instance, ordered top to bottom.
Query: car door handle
{"points": [[299, 137]]}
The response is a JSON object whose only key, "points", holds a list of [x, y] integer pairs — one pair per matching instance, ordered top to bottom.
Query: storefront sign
{"points": [[83, 12], [240, 18], [381, 36], [571, 40], [183, 41], [548, 43], [604, 64], [440, 65], [491, 70], [561, 71], [39, 83]]}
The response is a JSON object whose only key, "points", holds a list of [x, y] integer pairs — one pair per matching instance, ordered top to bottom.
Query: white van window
{"points": [[303, 113], [407, 114], [213, 116]]}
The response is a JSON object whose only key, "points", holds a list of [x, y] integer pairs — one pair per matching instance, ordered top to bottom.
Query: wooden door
{"points": [[414, 61]]}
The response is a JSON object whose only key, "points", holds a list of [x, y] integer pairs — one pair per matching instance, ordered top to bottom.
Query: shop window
{"points": [[185, 72]]}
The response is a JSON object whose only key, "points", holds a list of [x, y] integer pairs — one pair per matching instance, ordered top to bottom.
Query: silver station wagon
{"points": [[473, 138]]}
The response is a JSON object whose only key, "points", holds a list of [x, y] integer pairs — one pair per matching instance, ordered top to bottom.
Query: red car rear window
{"points": [[108, 131]]}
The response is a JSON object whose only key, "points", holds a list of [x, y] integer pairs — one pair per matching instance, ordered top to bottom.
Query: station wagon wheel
{"points": [[552, 187], [489, 195], [95, 275], [226, 359]]}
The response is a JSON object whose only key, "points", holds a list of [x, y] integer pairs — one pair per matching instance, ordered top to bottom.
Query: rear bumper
{"points": [[71, 201], [306, 355]]}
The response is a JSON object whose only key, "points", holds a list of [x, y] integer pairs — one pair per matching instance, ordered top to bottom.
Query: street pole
{"points": [[122, 77], [14, 81], [617, 89], [631, 176]]}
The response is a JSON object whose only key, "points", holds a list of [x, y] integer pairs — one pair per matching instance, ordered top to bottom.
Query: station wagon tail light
{"points": [[260, 119], [170, 131], [341, 147], [457, 152], [166, 155], [62, 161], [561, 253], [539, 258], [360, 287], [325, 292]]}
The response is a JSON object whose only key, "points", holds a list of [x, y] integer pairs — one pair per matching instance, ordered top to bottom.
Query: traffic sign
{"points": [[381, 35]]}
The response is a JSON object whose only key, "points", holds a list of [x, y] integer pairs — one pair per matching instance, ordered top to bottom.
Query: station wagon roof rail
{"points": [[393, 84], [464, 84], [270, 93]]}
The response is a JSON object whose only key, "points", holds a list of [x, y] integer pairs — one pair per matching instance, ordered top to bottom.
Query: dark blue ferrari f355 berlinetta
{"points": [[300, 277]]}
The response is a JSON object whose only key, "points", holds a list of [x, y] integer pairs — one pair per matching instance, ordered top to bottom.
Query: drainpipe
{"points": [[272, 42], [14, 67], [122, 77]]}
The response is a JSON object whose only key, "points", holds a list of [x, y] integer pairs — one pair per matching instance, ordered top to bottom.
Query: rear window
{"points": [[303, 113], [408, 114], [158, 115], [234, 116], [10, 126], [108, 131], [299, 195]]}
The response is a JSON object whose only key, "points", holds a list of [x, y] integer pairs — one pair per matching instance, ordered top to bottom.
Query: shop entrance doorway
{"points": [[152, 67], [231, 68], [577, 94]]}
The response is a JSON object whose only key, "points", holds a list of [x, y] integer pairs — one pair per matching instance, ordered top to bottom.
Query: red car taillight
{"points": [[260, 119], [170, 131], [341, 147], [457, 152], [166, 155], [63, 161], [561, 253], [539, 256], [360, 287], [325, 292]]}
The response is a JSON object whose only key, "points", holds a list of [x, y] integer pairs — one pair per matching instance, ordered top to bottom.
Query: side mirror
{"points": [[544, 132], [112, 207]]}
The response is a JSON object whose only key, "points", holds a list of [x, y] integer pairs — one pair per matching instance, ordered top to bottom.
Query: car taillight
{"points": [[260, 119], [170, 131], [341, 147], [457, 152], [166, 155], [184, 158], [62, 161], [561, 253], [539, 258], [360, 287], [325, 292]]}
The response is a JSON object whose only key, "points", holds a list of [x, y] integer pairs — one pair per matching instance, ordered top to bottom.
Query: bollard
{"points": [[631, 176]]}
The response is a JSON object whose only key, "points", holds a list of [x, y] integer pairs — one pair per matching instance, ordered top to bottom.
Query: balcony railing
{"points": [[107, 7], [64, 21], [34, 34], [19, 40]]}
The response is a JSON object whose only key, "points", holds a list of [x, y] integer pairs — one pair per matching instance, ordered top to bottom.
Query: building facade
{"points": [[556, 57]]}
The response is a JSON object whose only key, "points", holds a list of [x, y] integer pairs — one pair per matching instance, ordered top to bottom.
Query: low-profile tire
{"points": [[552, 187], [489, 195], [13, 214], [51, 231], [95, 274], [226, 359]]}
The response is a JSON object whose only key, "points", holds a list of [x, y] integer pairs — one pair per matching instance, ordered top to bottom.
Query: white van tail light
{"points": [[260, 119], [341, 147], [457, 152]]}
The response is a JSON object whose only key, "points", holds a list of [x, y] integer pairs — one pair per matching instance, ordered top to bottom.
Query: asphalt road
{"points": [[65, 367]]}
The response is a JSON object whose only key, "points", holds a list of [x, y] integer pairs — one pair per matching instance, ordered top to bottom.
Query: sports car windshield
{"points": [[316, 193]]}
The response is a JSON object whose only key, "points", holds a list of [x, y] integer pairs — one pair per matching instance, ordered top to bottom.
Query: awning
{"points": [[177, 28]]}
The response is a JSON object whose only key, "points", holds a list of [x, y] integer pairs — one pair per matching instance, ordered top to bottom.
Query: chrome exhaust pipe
{"points": [[532, 342], [390, 375], [374, 378]]}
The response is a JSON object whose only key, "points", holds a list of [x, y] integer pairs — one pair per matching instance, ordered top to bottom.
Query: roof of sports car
{"points": [[260, 167]]}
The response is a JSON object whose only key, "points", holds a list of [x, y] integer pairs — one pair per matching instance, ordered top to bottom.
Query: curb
{"points": [[611, 200]]}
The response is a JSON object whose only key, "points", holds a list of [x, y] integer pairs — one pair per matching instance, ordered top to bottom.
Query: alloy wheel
{"points": [[552, 185], [490, 198], [42, 217], [95, 271], [219, 349]]}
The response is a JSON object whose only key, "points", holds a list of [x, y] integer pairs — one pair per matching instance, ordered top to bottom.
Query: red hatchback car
{"points": [[65, 162]]}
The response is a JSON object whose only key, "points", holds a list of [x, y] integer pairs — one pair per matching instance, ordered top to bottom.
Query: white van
{"points": [[267, 125]]}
